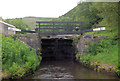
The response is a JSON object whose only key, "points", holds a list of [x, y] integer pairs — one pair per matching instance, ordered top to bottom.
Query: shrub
{"points": [[75, 39], [93, 48], [105, 51], [16, 56], [77, 56]]}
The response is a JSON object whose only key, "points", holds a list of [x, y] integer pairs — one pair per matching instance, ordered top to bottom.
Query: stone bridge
{"points": [[55, 38], [34, 40], [61, 45], [52, 46]]}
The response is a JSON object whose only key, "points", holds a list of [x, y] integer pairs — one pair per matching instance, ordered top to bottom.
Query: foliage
{"points": [[108, 11], [81, 13], [94, 13], [18, 23], [28, 23], [107, 32], [75, 39], [93, 48], [103, 48], [106, 51], [0, 52], [77, 55], [17, 57]]}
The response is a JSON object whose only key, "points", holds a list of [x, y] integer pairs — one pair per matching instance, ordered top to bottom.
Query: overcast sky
{"points": [[38, 8]]}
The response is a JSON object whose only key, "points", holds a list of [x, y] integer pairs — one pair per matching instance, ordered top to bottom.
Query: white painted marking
{"points": [[103, 28], [13, 29], [99, 29], [67, 35]]}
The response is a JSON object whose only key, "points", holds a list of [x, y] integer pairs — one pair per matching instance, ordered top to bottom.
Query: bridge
{"points": [[59, 28], [59, 42]]}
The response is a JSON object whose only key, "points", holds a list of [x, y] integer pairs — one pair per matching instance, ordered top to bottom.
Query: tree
{"points": [[108, 11], [18, 23]]}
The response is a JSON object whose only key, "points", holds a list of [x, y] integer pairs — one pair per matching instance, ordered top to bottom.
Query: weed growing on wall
{"points": [[106, 52]]}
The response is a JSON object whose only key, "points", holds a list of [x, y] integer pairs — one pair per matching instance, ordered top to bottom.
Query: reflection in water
{"points": [[67, 70]]}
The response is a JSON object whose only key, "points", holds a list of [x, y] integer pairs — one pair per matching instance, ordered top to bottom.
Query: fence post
{"points": [[39, 27], [53, 28]]}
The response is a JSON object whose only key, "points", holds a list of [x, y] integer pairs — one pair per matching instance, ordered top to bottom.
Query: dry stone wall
{"points": [[31, 40], [84, 42]]}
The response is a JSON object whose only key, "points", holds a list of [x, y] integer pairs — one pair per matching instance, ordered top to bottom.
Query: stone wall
{"points": [[31, 40], [34, 41], [84, 42]]}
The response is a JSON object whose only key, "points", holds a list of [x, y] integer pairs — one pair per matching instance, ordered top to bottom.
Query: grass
{"points": [[31, 21], [107, 32], [109, 47], [106, 51], [110, 57]]}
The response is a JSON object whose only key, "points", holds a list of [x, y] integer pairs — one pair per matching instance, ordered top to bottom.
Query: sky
{"points": [[37, 8]]}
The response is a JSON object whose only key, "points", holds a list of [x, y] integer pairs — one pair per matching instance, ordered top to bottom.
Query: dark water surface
{"points": [[67, 70]]}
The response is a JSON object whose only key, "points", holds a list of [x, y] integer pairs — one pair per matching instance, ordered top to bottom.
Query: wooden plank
{"points": [[56, 22], [59, 25], [53, 26], [39, 27], [59, 28], [61, 32]]}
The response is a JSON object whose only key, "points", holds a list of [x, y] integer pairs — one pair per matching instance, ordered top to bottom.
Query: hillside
{"points": [[93, 13], [31, 21], [28, 23], [104, 52]]}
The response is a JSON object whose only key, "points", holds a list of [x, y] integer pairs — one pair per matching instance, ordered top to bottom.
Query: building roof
{"points": [[7, 24]]}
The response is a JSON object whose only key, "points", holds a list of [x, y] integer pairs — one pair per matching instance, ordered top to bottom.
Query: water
{"points": [[67, 70]]}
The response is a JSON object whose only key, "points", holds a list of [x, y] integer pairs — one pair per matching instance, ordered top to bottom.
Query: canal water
{"points": [[67, 69]]}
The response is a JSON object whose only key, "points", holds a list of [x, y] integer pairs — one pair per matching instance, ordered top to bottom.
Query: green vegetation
{"points": [[81, 13], [94, 13], [102, 14], [31, 21], [18, 23], [28, 23], [107, 32], [75, 39], [105, 52], [0, 53], [17, 58]]}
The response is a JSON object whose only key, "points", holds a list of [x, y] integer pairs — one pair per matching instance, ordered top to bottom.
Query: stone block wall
{"points": [[31, 40], [84, 42]]}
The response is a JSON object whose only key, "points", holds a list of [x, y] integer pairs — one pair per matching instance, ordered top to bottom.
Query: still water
{"points": [[67, 70]]}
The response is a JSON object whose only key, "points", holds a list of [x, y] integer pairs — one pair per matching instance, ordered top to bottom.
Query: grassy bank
{"points": [[104, 54], [17, 58]]}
